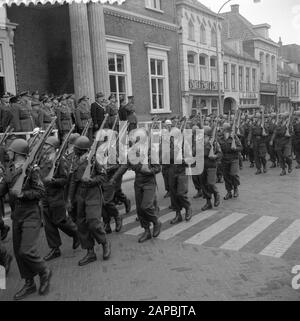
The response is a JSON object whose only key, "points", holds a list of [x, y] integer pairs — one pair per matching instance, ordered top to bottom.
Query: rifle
{"points": [[263, 121], [239, 123], [86, 127], [6, 134], [287, 134], [212, 140], [31, 144], [233, 144], [59, 155], [88, 170], [17, 188]]}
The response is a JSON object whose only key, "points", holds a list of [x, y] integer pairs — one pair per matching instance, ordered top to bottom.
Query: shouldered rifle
{"points": [[263, 121], [239, 124], [86, 128], [233, 130], [6, 134], [287, 134], [212, 141], [59, 155], [31, 159], [88, 170]]}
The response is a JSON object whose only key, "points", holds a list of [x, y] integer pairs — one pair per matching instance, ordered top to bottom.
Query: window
{"points": [[153, 4], [191, 31], [202, 34], [213, 38], [203, 62], [192, 66], [268, 67], [213, 69], [262, 70], [273, 71], [226, 76], [233, 77], [241, 79], [247, 79], [253, 79], [159, 80], [287, 89], [214, 106]]}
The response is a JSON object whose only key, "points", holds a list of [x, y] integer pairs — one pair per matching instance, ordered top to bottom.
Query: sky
{"points": [[282, 15]]}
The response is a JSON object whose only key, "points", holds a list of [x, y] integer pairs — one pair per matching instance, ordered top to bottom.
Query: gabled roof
{"points": [[198, 5], [235, 26], [230, 52]]}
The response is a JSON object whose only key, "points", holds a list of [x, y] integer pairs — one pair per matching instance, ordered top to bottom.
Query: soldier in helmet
{"points": [[270, 130], [258, 138], [212, 152], [230, 161], [87, 194], [54, 207], [26, 220]]}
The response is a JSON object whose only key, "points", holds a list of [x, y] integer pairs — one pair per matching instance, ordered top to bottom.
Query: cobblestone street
{"points": [[243, 250]]}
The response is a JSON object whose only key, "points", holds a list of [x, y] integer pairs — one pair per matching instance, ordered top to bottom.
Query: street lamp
{"points": [[218, 60]]}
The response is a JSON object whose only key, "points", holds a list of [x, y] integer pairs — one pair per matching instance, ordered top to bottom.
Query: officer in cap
{"points": [[98, 111], [83, 115], [6, 116]]}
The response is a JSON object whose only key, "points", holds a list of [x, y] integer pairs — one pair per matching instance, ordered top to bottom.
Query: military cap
{"points": [[35, 93], [100, 94], [7, 95], [69, 96], [130, 97], [82, 98], [13, 99], [168, 122], [226, 126]]}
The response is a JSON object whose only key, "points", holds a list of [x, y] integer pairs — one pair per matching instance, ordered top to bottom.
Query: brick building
{"points": [[59, 48]]}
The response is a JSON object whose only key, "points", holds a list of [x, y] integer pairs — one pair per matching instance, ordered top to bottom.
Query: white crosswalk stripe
{"points": [[215, 229], [171, 232], [249, 233], [283, 241]]}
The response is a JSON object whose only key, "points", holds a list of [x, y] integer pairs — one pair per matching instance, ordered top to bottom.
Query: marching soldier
{"points": [[98, 111], [112, 111], [46, 114], [83, 115], [131, 116], [6, 117], [64, 118], [297, 139], [271, 150], [230, 161], [166, 167], [89, 200], [54, 207], [26, 219]]}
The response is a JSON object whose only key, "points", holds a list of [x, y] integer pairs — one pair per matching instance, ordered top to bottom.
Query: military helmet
{"points": [[226, 126], [207, 130], [73, 138], [52, 141], [82, 143], [19, 146]]}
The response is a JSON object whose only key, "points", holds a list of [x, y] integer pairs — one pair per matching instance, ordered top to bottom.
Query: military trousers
{"points": [[297, 150], [284, 155], [165, 174], [231, 174], [197, 182], [208, 182], [146, 207], [109, 209], [55, 219], [89, 221], [26, 229], [3, 253]]}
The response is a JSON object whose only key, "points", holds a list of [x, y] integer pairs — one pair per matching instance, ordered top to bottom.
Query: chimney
{"points": [[235, 8], [280, 42]]}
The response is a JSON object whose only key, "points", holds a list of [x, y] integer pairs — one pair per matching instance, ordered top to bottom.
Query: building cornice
{"points": [[124, 14], [119, 39], [156, 46]]}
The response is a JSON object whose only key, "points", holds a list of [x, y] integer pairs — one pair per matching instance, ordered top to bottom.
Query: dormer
{"points": [[262, 30]]}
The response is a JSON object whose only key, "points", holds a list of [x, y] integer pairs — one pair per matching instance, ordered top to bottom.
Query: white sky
{"points": [[282, 15]]}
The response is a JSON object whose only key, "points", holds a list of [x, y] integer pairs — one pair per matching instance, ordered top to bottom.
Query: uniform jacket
{"points": [[97, 114], [82, 115], [6, 117], [45, 117], [22, 118], [64, 118], [279, 137], [228, 153]]}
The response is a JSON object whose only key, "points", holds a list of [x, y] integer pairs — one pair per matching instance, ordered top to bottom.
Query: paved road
{"points": [[243, 250]]}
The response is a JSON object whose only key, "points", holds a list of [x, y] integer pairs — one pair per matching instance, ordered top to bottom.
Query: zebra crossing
{"points": [[262, 235]]}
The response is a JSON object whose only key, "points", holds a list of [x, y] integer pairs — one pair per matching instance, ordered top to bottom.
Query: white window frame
{"points": [[156, 7], [117, 45], [159, 53], [2, 71]]}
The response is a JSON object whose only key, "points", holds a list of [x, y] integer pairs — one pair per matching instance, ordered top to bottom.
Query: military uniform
{"points": [[82, 116], [45, 117], [22, 118], [64, 120], [296, 137], [270, 147]]}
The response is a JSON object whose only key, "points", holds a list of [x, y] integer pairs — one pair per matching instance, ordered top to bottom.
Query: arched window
{"points": [[191, 30], [202, 34], [213, 38], [203, 65], [192, 66], [213, 69]]}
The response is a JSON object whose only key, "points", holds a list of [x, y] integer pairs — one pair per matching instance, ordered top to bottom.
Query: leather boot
{"points": [[251, 165], [273, 165], [298, 166], [265, 169], [290, 169], [258, 172], [283, 172], [236, 193], [167, 195], [198, 195], [228, 196], [217, 199], [127, 206], [207, 206], [188, 214], [177, 218], [119, 223], [107, 228], [157, 229], [4, 232], [145, 236], [76, 242], [106, 250], [53, 254], [88, 258], [7, 261], [45, 281], [28, 288]]}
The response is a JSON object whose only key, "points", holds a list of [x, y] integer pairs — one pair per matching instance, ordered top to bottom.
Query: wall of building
{"points": [[140, 33]]}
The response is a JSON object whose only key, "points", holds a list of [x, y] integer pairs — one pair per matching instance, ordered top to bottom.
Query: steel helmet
{"points": [[226, 126], [207, 130], [73, 138], [52, 141], [82, 143], [19, 146]]}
